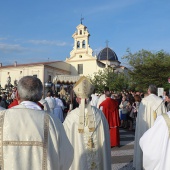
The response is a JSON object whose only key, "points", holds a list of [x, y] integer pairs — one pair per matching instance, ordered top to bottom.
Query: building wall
{"points": [[61, 65], [89, 67], [40, 70], [16, 73]]}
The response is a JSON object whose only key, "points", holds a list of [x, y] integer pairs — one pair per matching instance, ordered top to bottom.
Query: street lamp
{"points": [[48, 85]]}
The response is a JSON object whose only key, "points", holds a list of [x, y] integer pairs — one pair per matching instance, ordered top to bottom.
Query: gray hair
{"points": [[30, 89], [153, 89]]}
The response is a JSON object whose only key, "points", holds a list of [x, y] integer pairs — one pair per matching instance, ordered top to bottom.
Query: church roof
{"points": [[107, 51], [29, 64]]}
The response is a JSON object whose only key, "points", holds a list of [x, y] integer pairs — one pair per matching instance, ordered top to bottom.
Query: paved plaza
{"points": [[122, 156]]}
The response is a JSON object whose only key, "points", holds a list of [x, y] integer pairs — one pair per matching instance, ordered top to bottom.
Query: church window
{"points": [[80, 32], [78, 44], [84, 44], [80, 56], [80, 68]]}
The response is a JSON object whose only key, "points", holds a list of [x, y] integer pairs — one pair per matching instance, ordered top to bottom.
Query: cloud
{"points": [[1, 38], [46, 42], [11, 48]]}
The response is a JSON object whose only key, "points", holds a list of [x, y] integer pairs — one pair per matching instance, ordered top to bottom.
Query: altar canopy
{"points": [[65, 79]]}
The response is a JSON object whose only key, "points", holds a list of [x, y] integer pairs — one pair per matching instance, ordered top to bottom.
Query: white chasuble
{"points": [[31, 140], [155, 144], [92, 146]]}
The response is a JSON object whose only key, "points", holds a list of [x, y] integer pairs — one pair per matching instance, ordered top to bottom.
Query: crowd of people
{"points": [[52, 133]]}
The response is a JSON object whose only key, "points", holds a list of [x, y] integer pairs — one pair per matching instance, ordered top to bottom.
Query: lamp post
{"points": [[48, 85]]}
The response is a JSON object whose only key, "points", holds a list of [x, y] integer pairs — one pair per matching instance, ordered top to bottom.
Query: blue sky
{"points": [[41, 30]]}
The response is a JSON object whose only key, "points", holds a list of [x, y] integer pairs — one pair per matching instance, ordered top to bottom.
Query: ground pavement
{"points": [[122, 156]]}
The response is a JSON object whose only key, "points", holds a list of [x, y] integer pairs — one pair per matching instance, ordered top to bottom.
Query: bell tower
{"points": [[81, 46], [81, 56]]}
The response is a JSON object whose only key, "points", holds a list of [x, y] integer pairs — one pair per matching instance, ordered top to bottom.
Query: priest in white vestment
{"points": [[102, 97], [94, 99], [51, 102], [150, 107], [88, 132], [29, 138], [155, 144]]}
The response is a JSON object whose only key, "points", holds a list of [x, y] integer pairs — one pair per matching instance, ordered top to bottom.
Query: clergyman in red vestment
{"points": [[111, 111]]}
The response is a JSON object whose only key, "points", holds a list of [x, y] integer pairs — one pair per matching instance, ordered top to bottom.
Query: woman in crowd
{"points": [[123, 112]]}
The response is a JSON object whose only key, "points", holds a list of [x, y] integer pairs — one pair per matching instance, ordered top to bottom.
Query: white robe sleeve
{"points": [[154, 144]]}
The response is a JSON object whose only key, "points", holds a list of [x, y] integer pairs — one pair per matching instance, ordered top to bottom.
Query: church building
{"points": [[81, 62]]}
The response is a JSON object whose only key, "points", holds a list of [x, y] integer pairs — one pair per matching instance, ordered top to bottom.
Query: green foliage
{"points": [[148, 68], [107, 77]]}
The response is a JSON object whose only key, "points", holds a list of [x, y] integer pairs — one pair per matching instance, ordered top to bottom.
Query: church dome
{"points": [[111, 55]]}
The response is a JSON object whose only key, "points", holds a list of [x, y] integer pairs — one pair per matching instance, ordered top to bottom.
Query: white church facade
{"points": [[81, 57], [82, 60]]}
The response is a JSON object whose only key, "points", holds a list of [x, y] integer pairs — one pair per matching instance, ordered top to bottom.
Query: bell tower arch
{"points": [[81, 42]]}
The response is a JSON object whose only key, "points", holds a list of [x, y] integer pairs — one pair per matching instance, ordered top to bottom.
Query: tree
{"points": [[148, 68], [107, 77]]}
